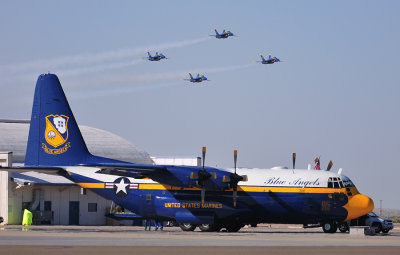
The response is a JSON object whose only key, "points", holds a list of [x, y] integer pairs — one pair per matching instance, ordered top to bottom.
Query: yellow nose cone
{"points": [[358, 205]]}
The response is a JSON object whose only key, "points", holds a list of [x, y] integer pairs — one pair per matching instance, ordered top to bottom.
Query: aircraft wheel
{"points": [[187, 226], [206, 227], [329, 227], [343, 227], [233, 228], [385, 231]]}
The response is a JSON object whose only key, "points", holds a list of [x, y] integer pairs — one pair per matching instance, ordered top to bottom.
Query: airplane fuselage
{"points": [[155, 58], [268, 61], [186, 194], [281, 196]]}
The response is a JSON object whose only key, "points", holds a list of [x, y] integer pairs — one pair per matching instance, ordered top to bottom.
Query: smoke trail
{"points": [[90, 59], [97, 68], [169, 75], [118, 80], [121, 90]]}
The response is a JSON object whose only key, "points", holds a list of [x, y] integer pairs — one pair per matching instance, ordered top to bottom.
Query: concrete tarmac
{"points": [[266, 239]]}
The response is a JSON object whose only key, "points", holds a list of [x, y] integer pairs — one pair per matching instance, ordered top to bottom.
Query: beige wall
{"points": [[6, 161], [60, 196]]}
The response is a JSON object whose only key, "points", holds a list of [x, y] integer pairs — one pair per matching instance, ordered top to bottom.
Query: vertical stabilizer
{"points": [[54, 136]]}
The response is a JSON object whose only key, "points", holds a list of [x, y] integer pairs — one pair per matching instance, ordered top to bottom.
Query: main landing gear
{"points": [[210, 227], [329, 227]]}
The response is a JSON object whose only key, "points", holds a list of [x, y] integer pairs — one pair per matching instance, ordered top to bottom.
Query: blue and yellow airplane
{"points": [[223, 35], [156, 57], [270, 60], [198, 78], [208, 197]]}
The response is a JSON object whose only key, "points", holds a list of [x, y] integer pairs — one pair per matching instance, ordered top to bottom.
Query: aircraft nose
{"points": [[358, 205]]}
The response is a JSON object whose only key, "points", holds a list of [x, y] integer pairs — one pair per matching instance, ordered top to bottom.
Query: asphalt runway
{"points": [[267, 239]]}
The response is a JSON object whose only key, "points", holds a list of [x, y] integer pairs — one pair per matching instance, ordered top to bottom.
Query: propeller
{"points": [[294, 160], [329, 166], [202, 176], [234, 179]]}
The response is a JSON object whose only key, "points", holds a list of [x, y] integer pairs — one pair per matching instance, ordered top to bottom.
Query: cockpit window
{"points": [[335, 182], [348, 183]]}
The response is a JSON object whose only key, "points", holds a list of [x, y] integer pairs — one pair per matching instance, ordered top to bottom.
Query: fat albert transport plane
{"points": [[211, 198]]}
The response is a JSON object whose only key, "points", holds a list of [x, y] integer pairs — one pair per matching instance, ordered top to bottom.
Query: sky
{"points": [[335, 96]]}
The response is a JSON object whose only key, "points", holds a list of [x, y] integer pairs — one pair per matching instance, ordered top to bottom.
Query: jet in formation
{"points": [[223, 35], [156, 57], [269, 60], [197, 79], [209, 197]]}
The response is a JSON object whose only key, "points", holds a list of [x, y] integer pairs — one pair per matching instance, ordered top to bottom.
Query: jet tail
{"points": [[216, 32], [148, 53], [262, 57], [191, 77], [54, 136]]}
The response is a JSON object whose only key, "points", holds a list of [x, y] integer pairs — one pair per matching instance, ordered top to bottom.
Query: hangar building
{"points": [[54, 199]]}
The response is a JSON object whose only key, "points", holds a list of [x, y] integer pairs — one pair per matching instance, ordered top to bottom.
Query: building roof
{"points": [[14, 137]]}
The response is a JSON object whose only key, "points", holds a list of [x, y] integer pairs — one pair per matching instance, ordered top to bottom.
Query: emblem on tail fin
{"points": [[56, 134]]}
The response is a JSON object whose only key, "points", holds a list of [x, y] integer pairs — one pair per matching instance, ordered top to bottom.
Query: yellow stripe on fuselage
{"points": [[88, 185], [152, 186]]}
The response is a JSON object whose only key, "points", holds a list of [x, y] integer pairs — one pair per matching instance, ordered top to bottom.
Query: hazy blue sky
{"points": [[335, 97]]}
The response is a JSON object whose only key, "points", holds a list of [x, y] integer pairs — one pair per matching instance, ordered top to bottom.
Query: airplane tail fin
{"points": [[216, 32], [148, 53], [262, 57], [191, 77], [54, 136]]}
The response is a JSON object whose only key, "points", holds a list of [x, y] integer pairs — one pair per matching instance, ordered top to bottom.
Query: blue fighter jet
{"points": [[223, 35], [156, 57], [270, 60], [198, 78]]}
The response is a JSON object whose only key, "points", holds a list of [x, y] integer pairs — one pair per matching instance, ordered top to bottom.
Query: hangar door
{"points": [[73, 212]]}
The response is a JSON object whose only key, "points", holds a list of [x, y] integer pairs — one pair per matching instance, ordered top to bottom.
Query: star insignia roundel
{"points": [[121, 187]]}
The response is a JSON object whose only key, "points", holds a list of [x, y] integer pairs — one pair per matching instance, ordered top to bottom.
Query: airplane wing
{"points": [[43, 169], [130, 170], [168, 175], [176, 176]]}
